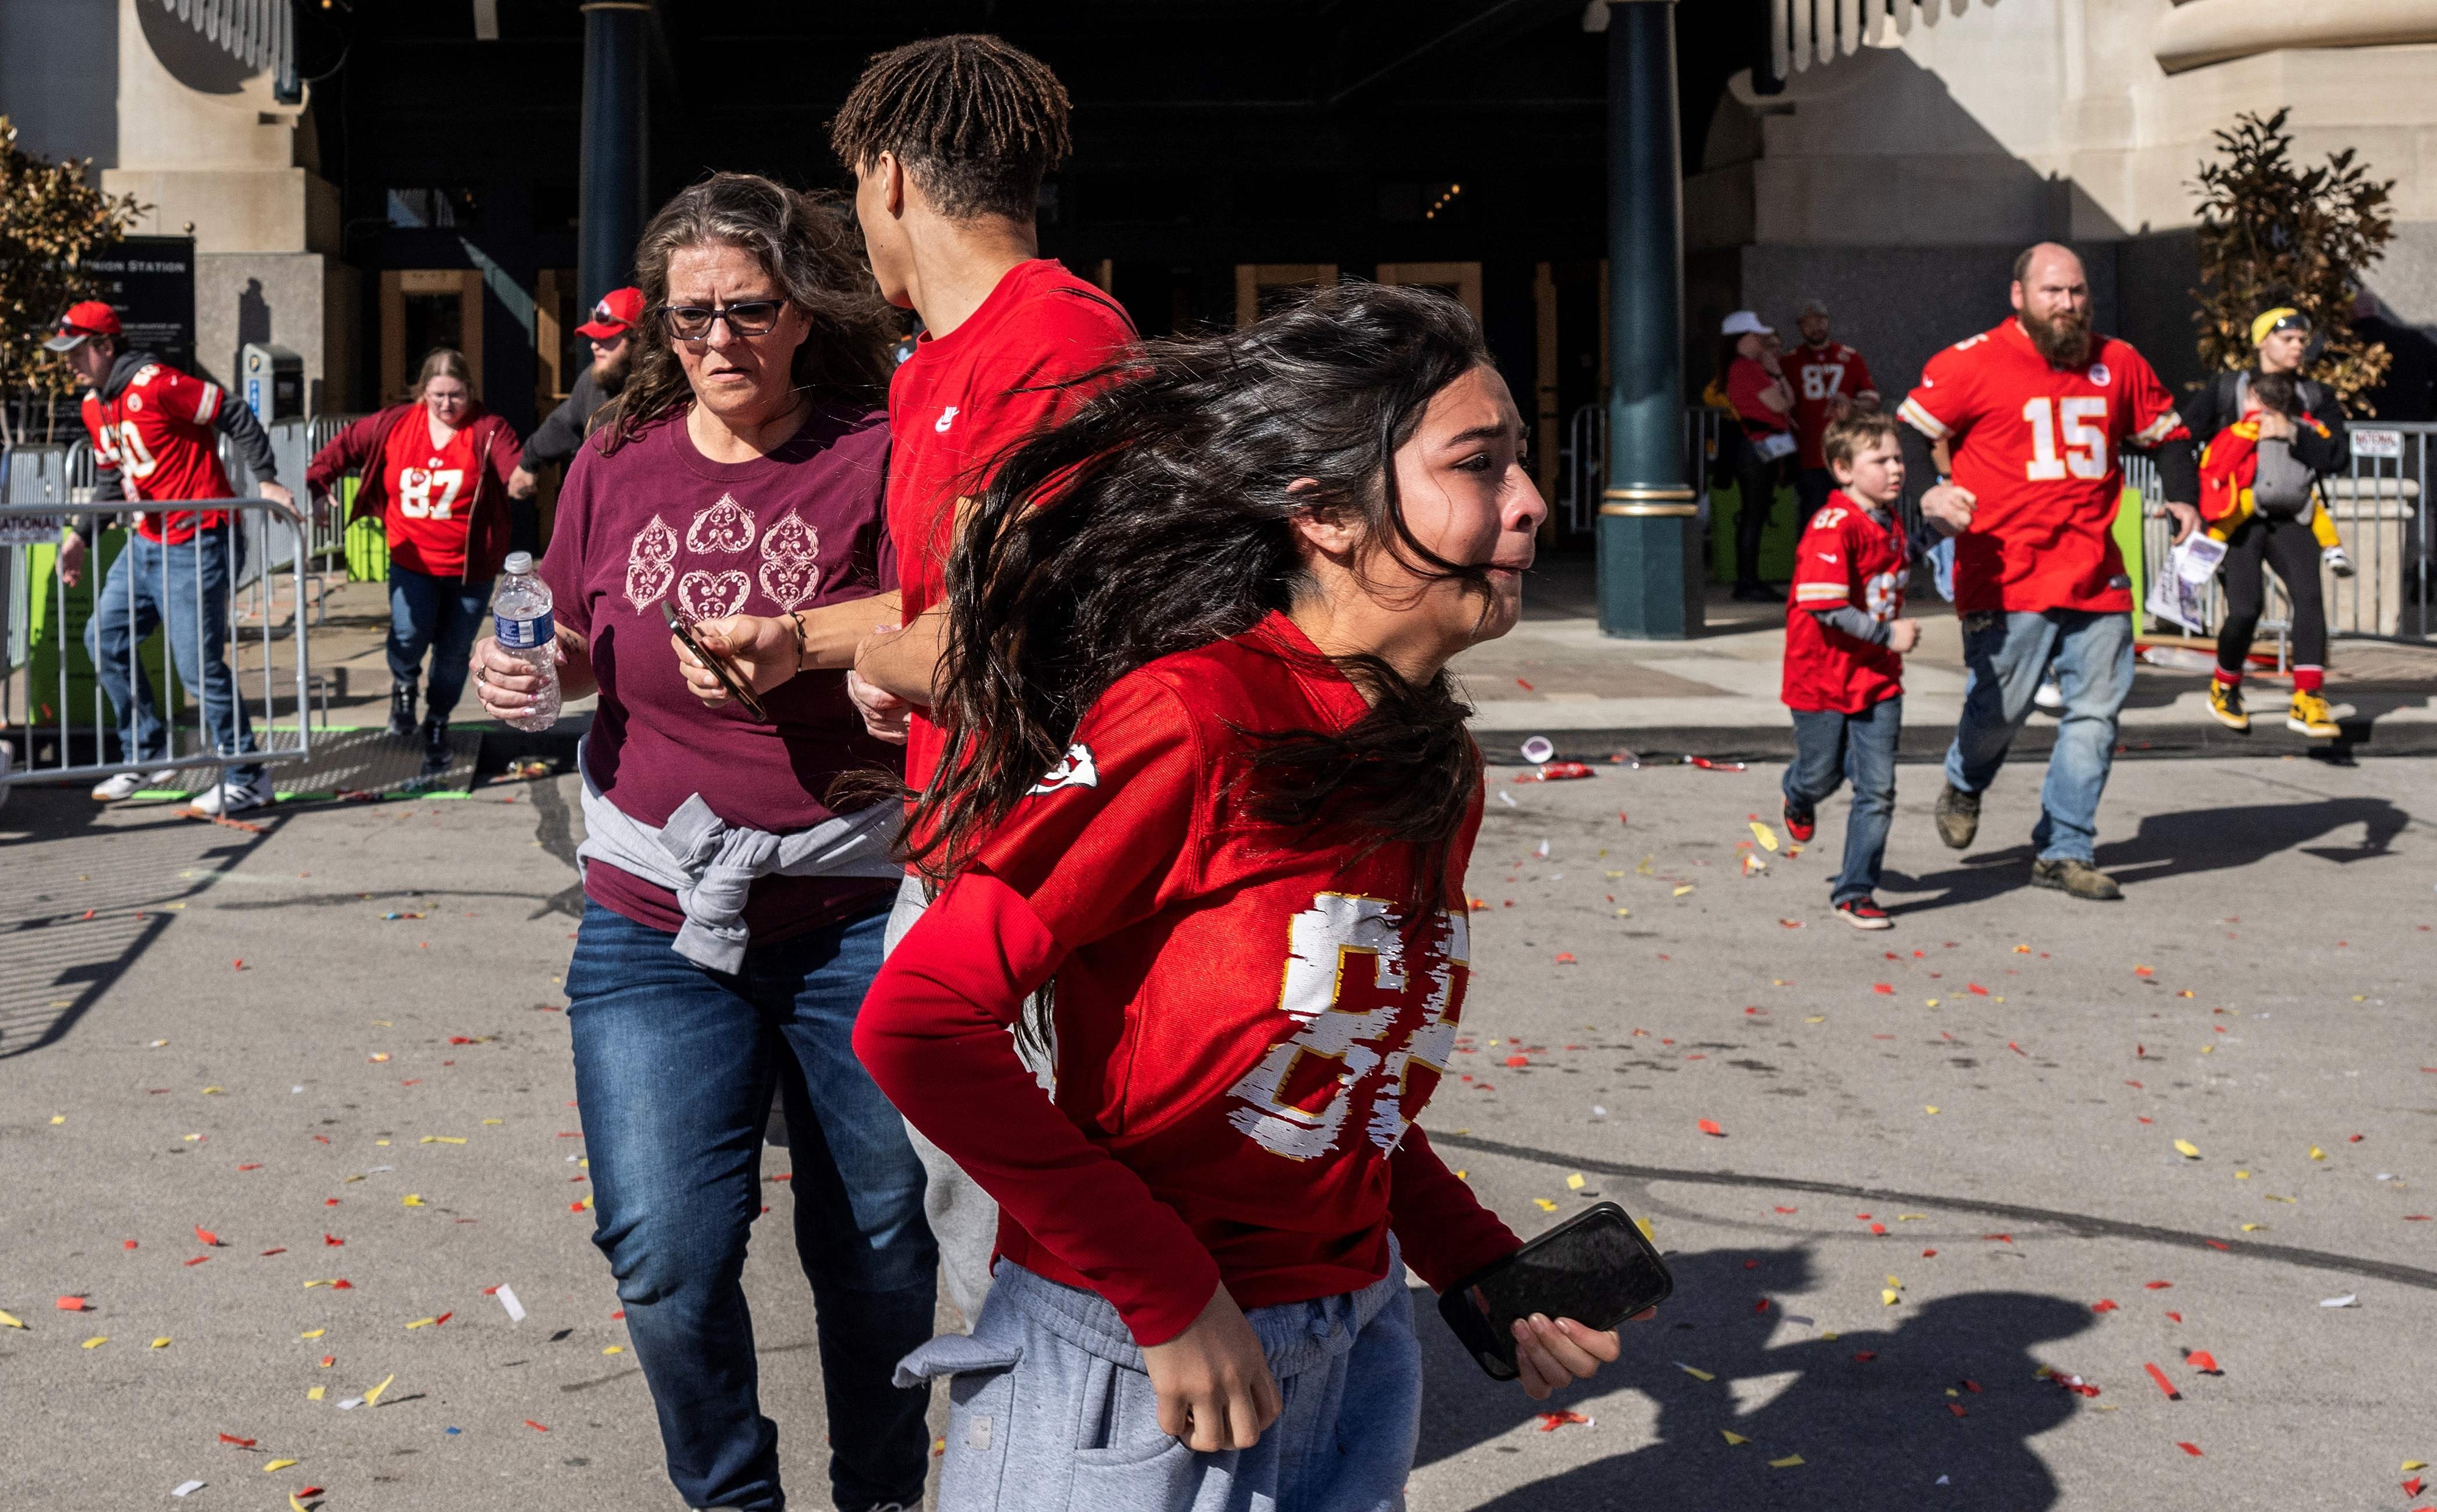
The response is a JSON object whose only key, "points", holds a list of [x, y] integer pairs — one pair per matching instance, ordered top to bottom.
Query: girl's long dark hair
{"points": [[1156, 519]]}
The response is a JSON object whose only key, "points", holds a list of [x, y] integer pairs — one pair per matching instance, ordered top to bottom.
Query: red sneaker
{"points": [[1800, 824], [1865, 913]]}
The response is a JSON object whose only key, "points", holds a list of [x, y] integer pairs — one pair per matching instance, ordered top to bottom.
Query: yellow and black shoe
{"points": [[2225, 704], [2311, 716]]}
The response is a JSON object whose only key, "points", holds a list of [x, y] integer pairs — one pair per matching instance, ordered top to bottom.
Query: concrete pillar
{"points": [[611, 212], [1649, 537]]}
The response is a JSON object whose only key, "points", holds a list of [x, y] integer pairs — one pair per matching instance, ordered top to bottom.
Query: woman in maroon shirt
{"points": [[732, 919]]}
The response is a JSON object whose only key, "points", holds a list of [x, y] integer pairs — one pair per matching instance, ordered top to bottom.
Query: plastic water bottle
{"points": [[526, 630]]}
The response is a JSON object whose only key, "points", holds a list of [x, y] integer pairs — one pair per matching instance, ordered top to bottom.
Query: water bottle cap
{"points": [[519, 564]]}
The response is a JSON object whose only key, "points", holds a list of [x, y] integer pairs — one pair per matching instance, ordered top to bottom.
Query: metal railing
{"points": [[1581, 464], [2375, 504], [220, 608]]}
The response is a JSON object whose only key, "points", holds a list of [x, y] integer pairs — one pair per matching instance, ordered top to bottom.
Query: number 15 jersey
{"points": [[2037, 448]]}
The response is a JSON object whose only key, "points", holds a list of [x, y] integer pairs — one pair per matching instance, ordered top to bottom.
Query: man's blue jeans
{"points": [[182, 591], [440, 615], [2092, 654], [1830, 748], [673, 1069]]}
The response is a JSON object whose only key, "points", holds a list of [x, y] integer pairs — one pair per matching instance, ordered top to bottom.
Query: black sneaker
{"points": [[401, 710], [437, 753], [1959, 818], [1800, 822], [2078, 878], [1863, 913]]}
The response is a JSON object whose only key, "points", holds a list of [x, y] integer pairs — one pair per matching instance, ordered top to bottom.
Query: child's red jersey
{"points": [[1820, 375], [963, 398], [157, 431], [2037, 447], [430, 496], [1846, 555], [1247, 1021]]}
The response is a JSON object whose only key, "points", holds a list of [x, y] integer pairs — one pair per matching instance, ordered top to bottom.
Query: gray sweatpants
{"points": [[964, 1218], [1051, 1409]]}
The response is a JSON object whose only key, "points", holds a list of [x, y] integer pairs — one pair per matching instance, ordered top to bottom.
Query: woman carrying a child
{"points": [[2270, 435]]}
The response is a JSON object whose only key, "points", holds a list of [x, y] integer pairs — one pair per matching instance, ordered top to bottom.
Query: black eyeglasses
{"points": [[692, 322]]}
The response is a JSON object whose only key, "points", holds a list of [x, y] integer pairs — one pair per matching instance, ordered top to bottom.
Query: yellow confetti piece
{"points": [[1767, 836], [1646, 869], [1613, 875], [1684, 888], [1625, 913], [1929, 1002], [1821, 1018], [2208, 1049], [208, 1091], [1929, 1107], [59, 1118], [493, 1121], [192, 1139], [443, 1139], [380, 1141], [2187, 1149], [2317, 1154], [1464, 1175], [2242, 1175], [1575, 1182], [2273, 1198], [412, 1200], [1544, 1205], [1908, 1218], [2253, 1228], [1648, 1231], [1893, 1282], [1887, 1297], [10, 1320], [423, 1323], [312, 1333], [1831, 1338], [97, 1341], [162, 1343], [615, 1350], [1697, 1375], [314, 1393], [373, 1396], [1733, 1437], [276, 1464], [1787, 1464], [2415, 1465], [296, 1506]]}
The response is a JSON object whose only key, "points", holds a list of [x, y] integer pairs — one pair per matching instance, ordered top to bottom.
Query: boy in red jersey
{"points": [[1830, 380], [2033, 413], [156, 437], [1225, 639], [1845, 643]]}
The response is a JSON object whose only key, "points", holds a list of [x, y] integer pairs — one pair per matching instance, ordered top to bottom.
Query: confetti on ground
{"points": [[1710, 1126], [1551, 1422], [1787, 1464], [188, 1487]]}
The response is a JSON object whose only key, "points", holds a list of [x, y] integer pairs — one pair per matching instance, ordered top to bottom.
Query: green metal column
{"points": [[1649, 537]]}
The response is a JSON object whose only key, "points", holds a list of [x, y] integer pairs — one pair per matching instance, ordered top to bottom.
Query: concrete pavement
{"points": [[2292, 902]]}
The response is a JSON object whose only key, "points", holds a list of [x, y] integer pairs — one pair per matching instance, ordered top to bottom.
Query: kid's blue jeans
{"points": [[1833, 748]]}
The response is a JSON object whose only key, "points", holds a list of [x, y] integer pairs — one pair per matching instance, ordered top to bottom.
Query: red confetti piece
{"points": [[1525, 686], [1565, 958], [240, 964], [2144, 970], [1887, 987], [1976, 989], [460, 1039], [2017, 1049], [1518, 1059], [1709, 1127], [325, 1138], [2352, 1139], [256, 1166], [329, 1202], [577, 1207], [1788, 1210], [2416, 1218], [1878, 1228], [205, 1236], [332, 1239], [1998, 1239], [130, 1244], [2217, 1244], [280, 1249], [1927, 1254], [198, 1259], [342, 1285], [2156, 1286], [75, 1305], [2102, 1305], [1760, 1306], [620, 1313], [2176, 1316], [442, 1318], [1865, 1356], [327, 1361], [2204, 1361], [2164, 1384], [1972, 1387], [1956, 1408], [1551, 1422], [535, 1427], [241, 1443], [2193, 1449], [2412, 1487], [309, 1493]]}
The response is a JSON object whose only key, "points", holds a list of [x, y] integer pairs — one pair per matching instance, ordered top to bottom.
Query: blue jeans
{"points": [[152, 586], [436, 614], [2092, 654], [1831, 749], [673, 1070]]}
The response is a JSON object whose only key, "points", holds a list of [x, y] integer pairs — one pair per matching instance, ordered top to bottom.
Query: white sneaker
{"points": [[2338, 561], [2049, 696], [127, 784], [227, 796]]}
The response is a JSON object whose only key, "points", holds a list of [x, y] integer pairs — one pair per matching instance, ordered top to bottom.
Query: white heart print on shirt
{"points": [[726, 526], [790, 563], [648, 569], [712, 595]]}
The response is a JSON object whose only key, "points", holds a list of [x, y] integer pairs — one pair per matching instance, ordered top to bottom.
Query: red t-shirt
{"points": [[1819, 374], [1746, 380], [963, 398], [157, 432], [2037, 448], [431, 493], [657, 519], [1848, 554], [1245, 1027]]}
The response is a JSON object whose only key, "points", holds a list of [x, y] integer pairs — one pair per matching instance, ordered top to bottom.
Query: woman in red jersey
{"points": [[436, 474], [1207, 799]]}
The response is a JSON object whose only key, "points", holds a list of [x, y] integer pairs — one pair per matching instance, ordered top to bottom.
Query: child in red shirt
{"points": [[1845, 640], [1237, 888]]}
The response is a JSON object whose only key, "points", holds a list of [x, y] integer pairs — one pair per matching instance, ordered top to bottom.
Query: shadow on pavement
{"points": [[2177, 844], [1869, 1412]]}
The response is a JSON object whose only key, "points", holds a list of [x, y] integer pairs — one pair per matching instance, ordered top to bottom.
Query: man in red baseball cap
{"points": [[156, 435], [558, 436]]}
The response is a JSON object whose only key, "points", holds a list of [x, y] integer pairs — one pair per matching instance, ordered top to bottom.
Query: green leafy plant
{"points": [[50, 221], [2273, 233]]}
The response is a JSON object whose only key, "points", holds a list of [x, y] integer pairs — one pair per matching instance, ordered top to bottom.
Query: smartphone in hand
{"points": [[683, 629], [1594, 1268]]}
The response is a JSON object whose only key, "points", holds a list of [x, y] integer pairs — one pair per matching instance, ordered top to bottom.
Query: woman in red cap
{"points": [[436, 474]]}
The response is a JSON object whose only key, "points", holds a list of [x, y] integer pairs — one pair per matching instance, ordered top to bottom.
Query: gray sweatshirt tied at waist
{"points": [[711, 865]]}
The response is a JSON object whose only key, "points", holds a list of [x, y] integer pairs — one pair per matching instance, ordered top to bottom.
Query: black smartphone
{"points": [[735, 686], [1595, 1268]]}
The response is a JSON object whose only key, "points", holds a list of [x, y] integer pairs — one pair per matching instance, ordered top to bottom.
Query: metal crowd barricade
{"points": [[1581, 464], [66, 725]]}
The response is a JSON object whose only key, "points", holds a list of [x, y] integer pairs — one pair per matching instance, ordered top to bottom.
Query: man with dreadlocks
{"points": [[949, 139]]}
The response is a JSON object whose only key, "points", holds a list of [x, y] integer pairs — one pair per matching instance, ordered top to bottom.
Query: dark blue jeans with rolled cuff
{"points": [[1833, 748], [673, 1070]]}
